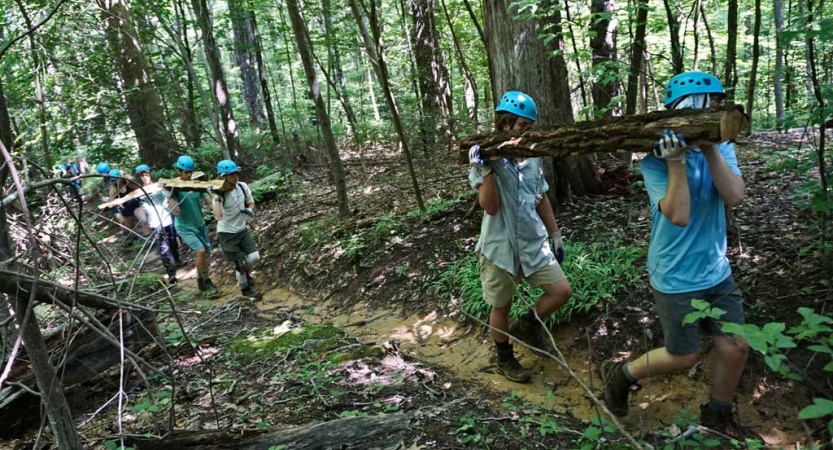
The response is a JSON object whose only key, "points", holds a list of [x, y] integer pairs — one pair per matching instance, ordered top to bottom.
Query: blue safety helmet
{"points": [[689, 83], [518, 104], [185, 163], [63, 167], [226, 167], [102, 168], [142, 168], [115, 173]]}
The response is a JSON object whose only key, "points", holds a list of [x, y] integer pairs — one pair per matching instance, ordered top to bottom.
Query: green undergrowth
{"points": [[597, 272], [325, 341]]}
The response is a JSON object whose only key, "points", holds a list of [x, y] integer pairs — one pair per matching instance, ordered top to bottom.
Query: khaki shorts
{"points": [[499, 285]]}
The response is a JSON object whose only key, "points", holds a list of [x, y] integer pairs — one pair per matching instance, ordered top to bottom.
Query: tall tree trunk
{"points": [[777, 10], [242, 23], [674, 32], [603, 44], [305, 49], [713, 51], [637, 56], [377, 60], [522, 61], [696, 64], [730, 69], [338, 71], [753, 73], [432, 74], [412, 75], [264, 81], [581, 81], [471, 84], [219, 88], [490, 92], [39, 95], [157, 146]]}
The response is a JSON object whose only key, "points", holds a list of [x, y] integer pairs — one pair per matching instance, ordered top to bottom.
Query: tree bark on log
{"points": [[616, 134], [16, 283], [385, 432]]}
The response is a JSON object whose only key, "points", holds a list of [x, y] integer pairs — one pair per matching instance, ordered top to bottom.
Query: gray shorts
{"points": [[237, 245], [672, 308]]}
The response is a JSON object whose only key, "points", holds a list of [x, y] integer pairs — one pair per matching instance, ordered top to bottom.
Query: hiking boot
{"points": [[172, 280], [250, 280], [200, 284], [209, 285], [208, 289], [250, 293], [530, 333], [510, 368], [616, 387], [726, 421]]}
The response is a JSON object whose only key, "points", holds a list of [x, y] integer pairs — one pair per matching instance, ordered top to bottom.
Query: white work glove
{"points": [[671, 146], [477, 161], [557, 246]]}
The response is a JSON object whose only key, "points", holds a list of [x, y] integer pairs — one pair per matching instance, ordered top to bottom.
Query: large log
{"points": [[615, 134], [219, 186], [383, 432]]}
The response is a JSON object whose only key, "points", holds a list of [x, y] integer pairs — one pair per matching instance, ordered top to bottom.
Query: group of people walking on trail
{"points": [[688, 188], [169, 215]]}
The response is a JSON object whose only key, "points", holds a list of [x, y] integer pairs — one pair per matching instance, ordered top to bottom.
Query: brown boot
{"points": [[532, 334], [509, 367], [616, 387], [726, 421]]}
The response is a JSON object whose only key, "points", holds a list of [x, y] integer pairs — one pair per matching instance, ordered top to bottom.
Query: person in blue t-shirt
{"points": [[688, 188]]}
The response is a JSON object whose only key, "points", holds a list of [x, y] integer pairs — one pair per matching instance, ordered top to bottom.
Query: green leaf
{"points": [[700, 305], [693, 317], [733, 329], [821, 349], [774, 361], [828, 367], [821, 407], [592, 433], [111, 445]]}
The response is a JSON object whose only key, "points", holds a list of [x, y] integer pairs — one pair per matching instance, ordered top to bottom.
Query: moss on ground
{"points": [[314, 339]]}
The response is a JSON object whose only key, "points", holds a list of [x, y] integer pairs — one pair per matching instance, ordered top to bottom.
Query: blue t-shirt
{"points": [[690, 258]]}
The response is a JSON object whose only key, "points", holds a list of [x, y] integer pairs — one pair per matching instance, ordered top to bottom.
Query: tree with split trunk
{"points": [[671, 15], [243, 25], [603, 42], [306, 51], [637, 57], [522, 61], [432, 74], [730, 74], [230, 140], [157, 146]]}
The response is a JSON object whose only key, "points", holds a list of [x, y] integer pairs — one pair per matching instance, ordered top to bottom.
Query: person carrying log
{"points": [[99, 188], [688, 188], [233, 209], [126, 212], [157, 217], [518, 219], [190, 224]]}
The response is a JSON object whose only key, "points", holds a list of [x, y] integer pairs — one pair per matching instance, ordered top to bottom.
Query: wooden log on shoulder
{"points": [[635, 134], [219, 186], [383, 432]]}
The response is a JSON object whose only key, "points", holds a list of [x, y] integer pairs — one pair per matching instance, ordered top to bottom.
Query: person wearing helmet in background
{"points": [[99, 187], [688, 187], [233, 210], [126, 212], [157, 217], [190, 224], [518, 225]]}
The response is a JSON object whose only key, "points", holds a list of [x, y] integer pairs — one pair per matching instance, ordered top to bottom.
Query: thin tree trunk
{"points": [[777, 11], [242, 20], [674, 33], [711, 38], [485, 41], [306, 51], [604, 55], [756, 55], [637, 56], [377, 60], [289, 61], [696, 64], [730, 69], [338, 71], [412, 74], [432, 74], [261, 75], [651, 76], [581, 81], [219, 88], [643, 88], [471, 94], [39, 97], [157, 146]]}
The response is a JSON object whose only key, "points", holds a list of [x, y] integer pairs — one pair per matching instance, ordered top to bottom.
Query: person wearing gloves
{"points": [[688, 188], [233, 210], [156, 215], [518, 219], [190, 224]]}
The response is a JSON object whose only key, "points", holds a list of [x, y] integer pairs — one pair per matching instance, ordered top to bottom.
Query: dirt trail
{"points": [[464, 352]]}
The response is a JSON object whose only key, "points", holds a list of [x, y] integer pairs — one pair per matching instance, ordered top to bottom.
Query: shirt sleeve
{"points": [[727, 150], [655, 174], [475, 177], [543, 186], [248, 191]]}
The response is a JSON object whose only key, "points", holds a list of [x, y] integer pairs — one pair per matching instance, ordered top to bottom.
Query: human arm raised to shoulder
{"points": [[729, 184], [676, 205]]}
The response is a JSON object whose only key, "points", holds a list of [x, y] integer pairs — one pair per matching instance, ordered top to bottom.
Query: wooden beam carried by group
{"points": [[635, 134], [219, 186]]}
